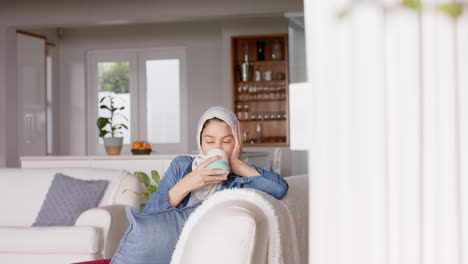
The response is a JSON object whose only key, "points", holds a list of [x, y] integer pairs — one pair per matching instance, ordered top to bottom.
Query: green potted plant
{"points": [[108, 126], [146, 181]]}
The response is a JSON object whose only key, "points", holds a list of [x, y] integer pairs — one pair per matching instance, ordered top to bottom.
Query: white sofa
{"points": [[247, 226], [95, 234]]}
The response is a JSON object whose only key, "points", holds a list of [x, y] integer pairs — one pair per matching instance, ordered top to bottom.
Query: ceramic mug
{"points": [[258, 75], [267, 76], [222, 164]]}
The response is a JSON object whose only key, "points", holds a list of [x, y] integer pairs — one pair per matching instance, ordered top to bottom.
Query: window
{"points": [[162, 81], [150, 85]]}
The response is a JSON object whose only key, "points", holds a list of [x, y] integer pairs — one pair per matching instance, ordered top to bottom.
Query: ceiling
{"points": [[68, 13]]}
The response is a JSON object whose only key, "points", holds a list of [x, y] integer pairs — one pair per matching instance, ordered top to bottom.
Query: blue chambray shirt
{"points": [[267, 181]]}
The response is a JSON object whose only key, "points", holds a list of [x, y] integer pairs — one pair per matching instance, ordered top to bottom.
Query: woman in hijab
{"points": [[187, 181], [153, 233]]}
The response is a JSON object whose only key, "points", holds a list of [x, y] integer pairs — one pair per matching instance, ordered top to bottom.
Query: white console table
{"points": [[133, 163]]}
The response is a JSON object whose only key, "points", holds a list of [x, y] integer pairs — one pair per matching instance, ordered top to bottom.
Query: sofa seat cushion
{"points": [[70, 239]]}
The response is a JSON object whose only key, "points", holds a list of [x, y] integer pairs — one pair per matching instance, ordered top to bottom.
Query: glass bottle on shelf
{"points": [[276, 50], [260, 51], [246, 66], [239, 111], [246, 112], [259, 133], [245, 137]]}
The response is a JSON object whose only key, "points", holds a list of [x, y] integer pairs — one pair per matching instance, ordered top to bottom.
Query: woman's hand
{"points": [[237, 152], [238, 166], [201, 177], [197, 179]]}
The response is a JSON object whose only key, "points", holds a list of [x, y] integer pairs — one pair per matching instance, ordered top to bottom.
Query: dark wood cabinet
{"points": [[260, 88]]}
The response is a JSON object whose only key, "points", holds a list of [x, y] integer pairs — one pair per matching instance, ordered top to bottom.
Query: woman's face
{"points": [[217, 135]]}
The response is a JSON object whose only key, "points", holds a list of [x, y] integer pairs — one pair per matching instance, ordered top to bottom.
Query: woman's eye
{"points": [[209, 142], [227, 142]]}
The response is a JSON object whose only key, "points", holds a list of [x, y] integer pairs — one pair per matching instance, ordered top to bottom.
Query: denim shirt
{"points": [[267, 181]]}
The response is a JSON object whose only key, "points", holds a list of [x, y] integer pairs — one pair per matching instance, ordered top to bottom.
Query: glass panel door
{"points": [[113, 85], [163, 101]]}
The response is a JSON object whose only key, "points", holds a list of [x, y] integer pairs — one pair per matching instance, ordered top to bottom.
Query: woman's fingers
{"points": [[208, 161], [214, 172], [214, 179]]}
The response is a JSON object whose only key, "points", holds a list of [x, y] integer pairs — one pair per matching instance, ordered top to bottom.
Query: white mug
{"points": [[258, 76], [267, 76], [222, 164]]}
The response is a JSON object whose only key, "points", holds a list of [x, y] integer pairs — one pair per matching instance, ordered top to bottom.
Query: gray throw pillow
{"points": [[67, 198]]}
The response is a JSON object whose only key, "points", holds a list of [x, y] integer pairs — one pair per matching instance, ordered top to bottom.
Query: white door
{"points": [[31, 80], [154, 96]]}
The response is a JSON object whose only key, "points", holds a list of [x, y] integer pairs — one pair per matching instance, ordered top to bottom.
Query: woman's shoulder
{"points": [[182, 160]]}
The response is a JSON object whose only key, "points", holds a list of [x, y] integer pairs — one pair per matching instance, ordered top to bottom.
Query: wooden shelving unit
{"points": [[261, 104]]}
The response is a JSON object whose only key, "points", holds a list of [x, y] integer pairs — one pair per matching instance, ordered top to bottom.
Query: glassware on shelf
{"points": [[260, 50], [276, 50], [246, 66], [254, 92], [260, 92], [283, 92], [278, 93], [239, 111], [246, 112], [253, 116], [259, 133], [245, 137]]}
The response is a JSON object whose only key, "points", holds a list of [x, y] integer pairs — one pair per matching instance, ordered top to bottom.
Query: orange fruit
{"points": [[137, 145], [147, 146]]}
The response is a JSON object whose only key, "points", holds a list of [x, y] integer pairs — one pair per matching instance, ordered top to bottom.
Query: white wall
{"points": [[207, 51], [203, 75], [212, 81], [3, 89], [11, 97]]}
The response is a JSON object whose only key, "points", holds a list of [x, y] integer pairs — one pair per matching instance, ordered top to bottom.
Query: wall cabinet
{"points": [[260, 88]]}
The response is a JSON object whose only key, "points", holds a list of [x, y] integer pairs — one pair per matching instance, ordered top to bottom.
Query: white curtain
{"points": [[389, 147]]}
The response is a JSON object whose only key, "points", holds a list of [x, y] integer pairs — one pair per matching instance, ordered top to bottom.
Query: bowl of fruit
{"points": [[141, 148]]}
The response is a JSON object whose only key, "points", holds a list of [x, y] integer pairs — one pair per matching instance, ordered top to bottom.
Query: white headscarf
{"points": [[219, 112], [229, 118]]}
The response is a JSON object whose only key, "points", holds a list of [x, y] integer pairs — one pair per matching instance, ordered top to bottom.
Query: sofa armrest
{"points": [[113, 222]]}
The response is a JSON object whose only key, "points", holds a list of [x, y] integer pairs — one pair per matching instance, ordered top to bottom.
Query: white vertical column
{"points": [[402, 62], [462, 108], [347, 184], [440, 191]]}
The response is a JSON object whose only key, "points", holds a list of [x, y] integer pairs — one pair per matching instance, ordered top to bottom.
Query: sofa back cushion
{"points": [[23, 191], [67, 198]]}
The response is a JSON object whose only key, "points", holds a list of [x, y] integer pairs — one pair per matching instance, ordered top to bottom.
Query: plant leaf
{"points": [[413, 4], [452, 9], [344, 12], [102, 99], [104, 107], [102, 122], [124, 126], [102, 133], [155, 176], [143, 178], [151, 189], [145, 196]]}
